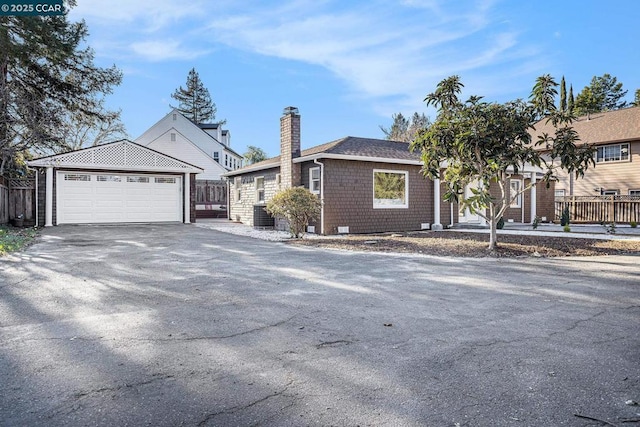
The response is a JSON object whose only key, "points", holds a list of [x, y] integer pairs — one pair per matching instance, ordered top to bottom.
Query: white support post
{"points": [[187, 198], [48, 205], [534, 207], [436, 226]]}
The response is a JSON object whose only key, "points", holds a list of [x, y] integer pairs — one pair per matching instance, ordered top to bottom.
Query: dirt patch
{"points": [[474, 245]]}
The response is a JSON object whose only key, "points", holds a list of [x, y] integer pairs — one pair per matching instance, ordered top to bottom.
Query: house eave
{"points": [[356, 158], [249, 169]]}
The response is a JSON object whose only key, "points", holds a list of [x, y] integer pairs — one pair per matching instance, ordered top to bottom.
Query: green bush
{"points": [[298, 206], [536, 222], [500, 224], [633, 224], [566, 228]]}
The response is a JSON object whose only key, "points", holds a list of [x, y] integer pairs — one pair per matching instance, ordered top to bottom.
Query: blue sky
{"points": [[349, 65]]}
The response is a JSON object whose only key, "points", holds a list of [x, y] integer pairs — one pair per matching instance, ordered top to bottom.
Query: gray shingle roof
{"points": [[601, 128], [348, 146]]}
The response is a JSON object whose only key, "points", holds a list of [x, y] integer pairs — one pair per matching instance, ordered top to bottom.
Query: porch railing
{"points": [[598, 209]]}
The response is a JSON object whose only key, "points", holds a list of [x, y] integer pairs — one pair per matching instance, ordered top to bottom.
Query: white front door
{"points": [[108, 197], [464, 215]]}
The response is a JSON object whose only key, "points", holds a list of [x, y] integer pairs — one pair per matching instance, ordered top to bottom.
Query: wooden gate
{"points": [[211, 199], [17, 200]]}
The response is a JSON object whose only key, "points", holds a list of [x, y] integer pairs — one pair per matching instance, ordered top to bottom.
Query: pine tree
{"points": [[46, 74], [604, 93], [563, 95], [636, 100], [194, 101], [571, 101], [405, 130]]}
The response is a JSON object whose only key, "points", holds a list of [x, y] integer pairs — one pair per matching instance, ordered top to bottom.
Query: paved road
{"points": [[177, 325]]}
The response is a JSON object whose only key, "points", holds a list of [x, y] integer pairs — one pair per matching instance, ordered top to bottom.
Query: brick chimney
{"points": [[290, 175]]}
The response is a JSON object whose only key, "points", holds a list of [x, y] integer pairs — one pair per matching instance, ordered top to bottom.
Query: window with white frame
{"points": [[173, 137], [612, 153], [216, 156], [226, 160], [76, 177], [314, 180], [515, 187], [236, 188], [260, 189], [390, 189], [609, 192], [634, 192], [559, 193]]}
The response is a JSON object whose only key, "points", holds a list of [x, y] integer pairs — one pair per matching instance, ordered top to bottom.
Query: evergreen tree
{"points": [[46, 74], [604, 93], [563, 95], [194, 101], [571, 101], [636, 101], [404, 129]]}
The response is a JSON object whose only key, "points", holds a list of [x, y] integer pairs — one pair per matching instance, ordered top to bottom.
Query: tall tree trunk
{"points": [[493, 225]]}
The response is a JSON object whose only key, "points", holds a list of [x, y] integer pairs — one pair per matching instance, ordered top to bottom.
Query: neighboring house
{"points": [[616, 136], [204, 145], [118, 182], [366, 186]]}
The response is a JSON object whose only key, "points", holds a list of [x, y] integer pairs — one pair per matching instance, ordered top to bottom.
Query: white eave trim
{"points": [[357, 158], [248, 169]]}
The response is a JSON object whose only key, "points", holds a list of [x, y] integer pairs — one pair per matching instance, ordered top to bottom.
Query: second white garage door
{"points": [[85, 198]]}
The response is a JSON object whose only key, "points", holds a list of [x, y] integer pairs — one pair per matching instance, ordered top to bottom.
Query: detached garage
{"points": [[118, 182]]}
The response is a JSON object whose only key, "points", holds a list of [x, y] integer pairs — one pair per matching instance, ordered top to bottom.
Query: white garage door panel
{"points": [[104, 198]]}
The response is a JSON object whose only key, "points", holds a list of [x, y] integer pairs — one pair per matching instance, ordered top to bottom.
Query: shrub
{"points": [[298, 206], [564, 219], [536, 222], [500, 224], [633, 224], [566, 228]]}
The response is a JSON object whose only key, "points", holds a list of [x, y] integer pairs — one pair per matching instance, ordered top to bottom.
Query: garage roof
{"points": [[121, 155]]}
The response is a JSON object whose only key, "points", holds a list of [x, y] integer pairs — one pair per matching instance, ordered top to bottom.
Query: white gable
{"points": [[179, 146], [119, 155]]}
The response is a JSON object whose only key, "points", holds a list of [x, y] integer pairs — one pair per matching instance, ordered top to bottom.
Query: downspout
{"points": [[321, 195]]}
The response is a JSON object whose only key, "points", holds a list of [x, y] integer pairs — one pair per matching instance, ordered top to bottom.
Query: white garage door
{"points": [[84, 198]]}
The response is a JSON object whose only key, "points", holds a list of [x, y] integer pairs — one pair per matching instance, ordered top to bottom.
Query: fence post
{"points": [[612, 211]]}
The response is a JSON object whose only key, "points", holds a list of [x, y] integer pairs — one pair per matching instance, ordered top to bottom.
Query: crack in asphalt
{"points": [[238, 408]]}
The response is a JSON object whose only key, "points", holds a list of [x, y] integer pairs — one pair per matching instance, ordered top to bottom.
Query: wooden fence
{"points": [[17, 200], [598, 209]]}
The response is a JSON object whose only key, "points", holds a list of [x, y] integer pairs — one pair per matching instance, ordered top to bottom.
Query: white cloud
{"points": [[164, 50], [382, 51]]}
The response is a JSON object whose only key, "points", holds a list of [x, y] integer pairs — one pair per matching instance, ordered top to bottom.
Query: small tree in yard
{"points": [[490, 142], [298, 205]]}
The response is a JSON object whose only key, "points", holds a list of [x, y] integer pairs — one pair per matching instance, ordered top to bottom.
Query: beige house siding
{"points": [[621, 176], [242, 209]]}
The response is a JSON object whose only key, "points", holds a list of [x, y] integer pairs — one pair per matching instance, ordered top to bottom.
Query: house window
{"points": [[175, 117], [173, 137], [612, 153], [216, 156], [226, 160], [76, 177], [108, 178], [142, 179], [165, 180], [314, 180], [515, 187], [236, 188], [260, 189], [390, 189], [609, 192], [634, 192], [559, 193]]}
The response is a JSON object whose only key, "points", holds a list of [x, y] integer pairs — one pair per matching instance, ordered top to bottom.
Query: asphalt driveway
{"points": [[168, 325]]}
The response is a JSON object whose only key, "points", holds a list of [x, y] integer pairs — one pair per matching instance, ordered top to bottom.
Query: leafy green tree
{"points": [[46, 75], [604, 93], [194, 101], [404, 129], [489, 142], [254, 155], [298, 206]]}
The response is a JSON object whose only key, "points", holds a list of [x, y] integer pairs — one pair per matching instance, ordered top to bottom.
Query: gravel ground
{"points": [[448, 243]]}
